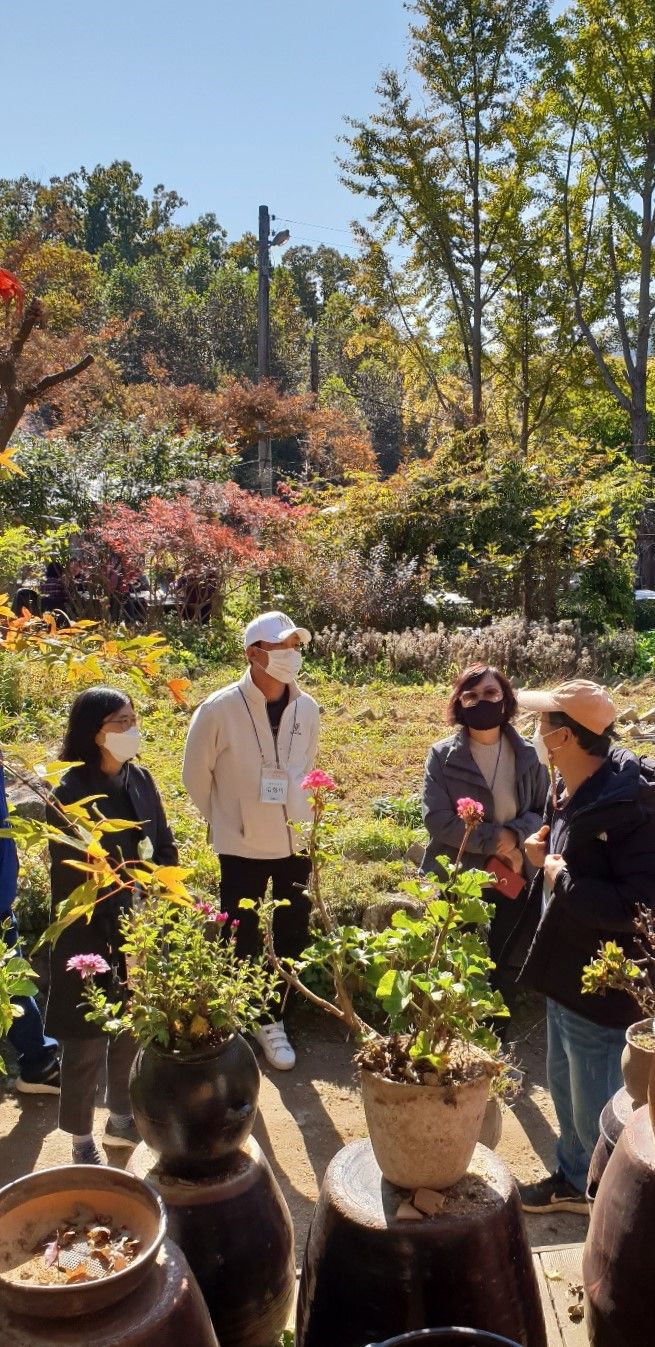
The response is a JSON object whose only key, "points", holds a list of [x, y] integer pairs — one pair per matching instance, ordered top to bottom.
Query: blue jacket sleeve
{"points": [[8, 857]]}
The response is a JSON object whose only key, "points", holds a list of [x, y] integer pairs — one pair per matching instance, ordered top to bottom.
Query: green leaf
{"points": [[474, 912], [394, 991]]}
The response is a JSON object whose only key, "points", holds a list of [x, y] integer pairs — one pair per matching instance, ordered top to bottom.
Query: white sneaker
{"points": [[275, 1045]]}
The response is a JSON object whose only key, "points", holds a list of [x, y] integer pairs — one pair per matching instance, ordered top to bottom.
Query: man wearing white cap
{"points": [[248, 749], [596, 859]]}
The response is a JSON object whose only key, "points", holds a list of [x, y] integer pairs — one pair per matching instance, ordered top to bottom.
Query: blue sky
{"points": [[232, 104]]}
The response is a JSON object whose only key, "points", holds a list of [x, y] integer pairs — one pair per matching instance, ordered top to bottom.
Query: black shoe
{"points": [[42, 1082], [121, 1136], [86, 1153], [554, 1193]]}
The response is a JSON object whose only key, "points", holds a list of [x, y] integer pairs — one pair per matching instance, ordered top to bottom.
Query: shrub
{"points": [[344, 587], [525, 650], [403, 809], [374, 840], [350, 889], [32, 906]]}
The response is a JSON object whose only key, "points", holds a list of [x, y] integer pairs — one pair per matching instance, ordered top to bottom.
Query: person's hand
{"points": [[506, 843], [536, 847], [515, 860], [553, 867]]}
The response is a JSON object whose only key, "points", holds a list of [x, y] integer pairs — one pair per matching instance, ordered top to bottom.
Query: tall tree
{"points": [[604, 96], [443, 178]]}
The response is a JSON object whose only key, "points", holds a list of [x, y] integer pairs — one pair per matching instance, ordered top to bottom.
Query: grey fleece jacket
{"points": [[451, 772]]}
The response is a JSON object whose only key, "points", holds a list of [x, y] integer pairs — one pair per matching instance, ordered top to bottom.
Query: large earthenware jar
{"points": [[637, 1059], [194, 1110], [616, 1113], [423, 1136], [235, 1228], [618, 1265], [369, 1273], [155, 1298], [448, 1337]]}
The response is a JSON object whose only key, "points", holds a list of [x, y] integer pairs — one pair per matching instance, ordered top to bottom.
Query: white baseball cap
{"points": [[273, 627]]}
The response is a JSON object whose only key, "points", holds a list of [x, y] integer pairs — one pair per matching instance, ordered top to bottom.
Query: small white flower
{"points": [[602, 837]]}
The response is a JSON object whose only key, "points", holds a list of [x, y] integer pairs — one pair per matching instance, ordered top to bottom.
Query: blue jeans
{"points": [[35, 1052], [584, 1071]]}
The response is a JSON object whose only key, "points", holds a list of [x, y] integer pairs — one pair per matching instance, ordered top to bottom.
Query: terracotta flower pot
{"points": [[636, 1061], [193, 1111], [492, 1124], [423, 1136]]}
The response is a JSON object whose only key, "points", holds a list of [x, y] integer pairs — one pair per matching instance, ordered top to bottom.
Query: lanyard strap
{"points": [[252, 722], [493, 779]]}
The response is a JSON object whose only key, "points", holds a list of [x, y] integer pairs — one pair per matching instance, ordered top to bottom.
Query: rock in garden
{"points": [[630, 713], [648, 716], [361, 717], [26, 802], [414, 853], [378, 915], [428, 1200], [406, 1212]]}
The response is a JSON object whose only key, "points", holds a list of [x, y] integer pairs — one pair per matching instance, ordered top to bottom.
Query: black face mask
{"points": [[484, 715]]}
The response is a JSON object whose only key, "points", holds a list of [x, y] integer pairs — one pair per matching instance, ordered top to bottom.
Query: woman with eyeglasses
{"points": [[103, 739], [486, 759]]}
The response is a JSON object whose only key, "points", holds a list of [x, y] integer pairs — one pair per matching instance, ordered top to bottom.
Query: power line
{"points": [[309, 224], [343, 247]]}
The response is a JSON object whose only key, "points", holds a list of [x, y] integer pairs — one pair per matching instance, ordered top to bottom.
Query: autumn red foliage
{"points": [[11, 291], [185, 553]]}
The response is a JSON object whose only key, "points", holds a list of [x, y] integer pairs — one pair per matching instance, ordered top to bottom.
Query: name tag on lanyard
{"points": [[274, 786]]}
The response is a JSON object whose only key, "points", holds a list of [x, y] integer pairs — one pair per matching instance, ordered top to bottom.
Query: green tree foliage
{"points": [[603, 162], [444, 177]]}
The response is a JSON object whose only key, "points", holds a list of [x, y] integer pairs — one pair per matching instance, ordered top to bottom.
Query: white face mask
{"points": [[284, 665], [123, 744], [541, 747]]}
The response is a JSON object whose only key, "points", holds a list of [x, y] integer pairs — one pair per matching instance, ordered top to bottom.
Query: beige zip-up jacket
{"points": [[223, 764]]}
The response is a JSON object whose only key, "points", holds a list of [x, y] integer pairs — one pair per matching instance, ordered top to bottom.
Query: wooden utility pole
{"points": [[264, 343]]}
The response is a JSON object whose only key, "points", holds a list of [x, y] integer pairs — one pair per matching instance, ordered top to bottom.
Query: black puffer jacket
{"points": [[607, 838]]}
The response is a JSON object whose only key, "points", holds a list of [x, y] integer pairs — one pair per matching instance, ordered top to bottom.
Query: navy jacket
{"points": [[451, 772], [607, 838]]}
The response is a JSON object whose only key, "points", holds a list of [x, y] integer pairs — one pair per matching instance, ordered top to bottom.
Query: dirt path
{"points": [[307, 1114]]}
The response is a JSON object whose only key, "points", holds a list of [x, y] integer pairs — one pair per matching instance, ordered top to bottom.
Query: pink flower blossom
{"points": [[318, 780], [470, 811], [212, 913], [235, 924], [87, 965]]}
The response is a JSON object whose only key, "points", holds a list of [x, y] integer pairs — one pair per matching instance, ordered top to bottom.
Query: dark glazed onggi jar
{"points": [[194, 1111]]}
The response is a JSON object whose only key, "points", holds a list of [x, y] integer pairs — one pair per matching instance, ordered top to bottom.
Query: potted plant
{"points": [[613, 970], [426, 1069], [195, 1081]]}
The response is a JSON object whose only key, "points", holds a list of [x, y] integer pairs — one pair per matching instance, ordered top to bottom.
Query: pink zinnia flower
{"points": [[318, 781], [470, 811], [221, 918], [87, 965]]}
